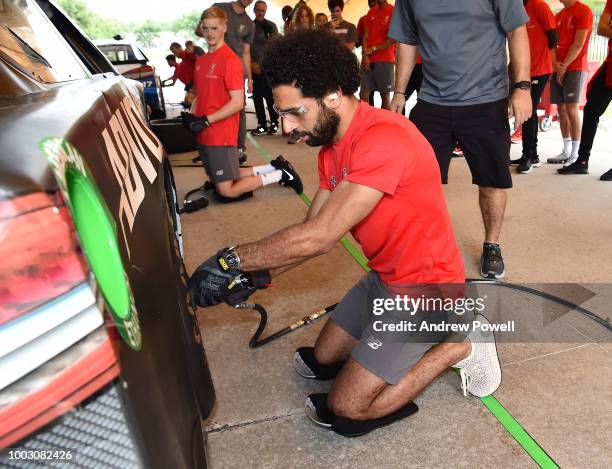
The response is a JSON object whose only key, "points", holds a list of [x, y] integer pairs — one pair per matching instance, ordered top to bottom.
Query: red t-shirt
{"points": [[608, 10], [541, 19], [569, 20], [378, 22], [361, 24], [187, 65], [183, 73], [215, 75], [408, 237]]}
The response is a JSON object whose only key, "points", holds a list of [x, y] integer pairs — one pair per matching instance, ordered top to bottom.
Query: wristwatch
{"points": [[523, 85], [230, 258]]}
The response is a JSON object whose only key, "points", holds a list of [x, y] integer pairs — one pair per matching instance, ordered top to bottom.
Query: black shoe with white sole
{"points": [[260, 130], [577, 167], [290, 176], [607, 176], [491, 262], [317, 411]]}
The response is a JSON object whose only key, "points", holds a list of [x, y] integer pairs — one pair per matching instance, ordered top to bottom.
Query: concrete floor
{"points": [[557, 230]]}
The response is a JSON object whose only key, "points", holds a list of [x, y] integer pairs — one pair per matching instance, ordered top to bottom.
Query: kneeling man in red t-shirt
{"points": [[219, 88], [378, 180]]}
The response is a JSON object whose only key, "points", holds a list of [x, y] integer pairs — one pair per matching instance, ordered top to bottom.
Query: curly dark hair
{"points": [[314, 61]]}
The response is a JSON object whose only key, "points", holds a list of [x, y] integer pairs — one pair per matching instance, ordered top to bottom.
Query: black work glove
{"points": [[194, 124], [214, 281]]}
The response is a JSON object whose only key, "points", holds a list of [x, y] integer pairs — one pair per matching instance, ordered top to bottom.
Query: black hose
{"points": [[255, 342]]}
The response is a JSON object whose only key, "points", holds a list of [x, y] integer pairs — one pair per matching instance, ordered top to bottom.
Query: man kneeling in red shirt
{"points": [[219, 89], [378, 179]]}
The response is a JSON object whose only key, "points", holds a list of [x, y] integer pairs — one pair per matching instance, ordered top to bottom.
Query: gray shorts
{"points": [[380, 78], [570, 92], [221, 163], [387, 355]]}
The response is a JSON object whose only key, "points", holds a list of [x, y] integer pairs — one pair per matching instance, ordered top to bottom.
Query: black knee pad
{"points": [[228, 200], [319, 372], [349, 427]]}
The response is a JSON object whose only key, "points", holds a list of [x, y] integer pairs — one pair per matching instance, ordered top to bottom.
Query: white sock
{"points": [[567, 146], [575, 147], [265, 169], [269, 178]]}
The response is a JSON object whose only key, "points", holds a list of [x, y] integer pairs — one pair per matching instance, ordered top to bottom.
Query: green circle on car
{"points": [[99, 242]]}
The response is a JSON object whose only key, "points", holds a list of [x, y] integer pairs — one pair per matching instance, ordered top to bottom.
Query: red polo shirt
{"points": [[541, 19], [569, 20], [216, 74], [408, 237]]}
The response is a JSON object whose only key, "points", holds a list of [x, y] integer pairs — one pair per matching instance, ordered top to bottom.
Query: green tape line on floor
{"points": [[522, 437]]}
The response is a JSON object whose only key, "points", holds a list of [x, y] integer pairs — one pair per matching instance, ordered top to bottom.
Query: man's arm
{"points": [[604, 28], [385, 45], [572, 53], [246, 60], [405, 60], [520, 100], [233, 106], [317, 202], [335, 215]]}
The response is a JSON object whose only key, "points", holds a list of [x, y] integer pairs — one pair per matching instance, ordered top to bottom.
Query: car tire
{"points": [[174, 137]]}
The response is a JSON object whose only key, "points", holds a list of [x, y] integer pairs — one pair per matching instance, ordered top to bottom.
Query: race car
{"points": [[131, 62], [101, 361]]}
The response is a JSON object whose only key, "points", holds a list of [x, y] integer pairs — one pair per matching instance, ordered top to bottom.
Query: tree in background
{"points": [[186, 24], [94, 25], [147, 32]]}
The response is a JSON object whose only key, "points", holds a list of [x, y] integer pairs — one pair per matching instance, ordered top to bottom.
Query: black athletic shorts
{"points": [[483, 133]]}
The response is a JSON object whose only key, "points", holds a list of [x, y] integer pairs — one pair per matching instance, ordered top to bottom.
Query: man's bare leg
{"points": [[385, 100], [572, 112], [564, 121], [492, 206], [334, 344], [358, 394]]}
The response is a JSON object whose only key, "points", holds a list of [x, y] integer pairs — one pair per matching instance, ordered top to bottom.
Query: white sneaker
{"points": [[559, 159], [572, 159], [480, 371]]}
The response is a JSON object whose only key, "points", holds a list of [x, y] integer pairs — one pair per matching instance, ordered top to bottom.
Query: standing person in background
{"points": [[286, 14], [302, 17], [321, 20], [264, 31], [345, 31], [360, 34], [239, 37], [543, 40], [378, 49], [571, 65], [219, 86], [464, 94], [599, 95]]}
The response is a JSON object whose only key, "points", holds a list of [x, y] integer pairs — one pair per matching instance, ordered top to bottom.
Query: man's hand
{"points": [[365, 64], [255, 68], [561, 70], [250, 85], [397, 103], [520, 107], [194, 124], [215, 281]]}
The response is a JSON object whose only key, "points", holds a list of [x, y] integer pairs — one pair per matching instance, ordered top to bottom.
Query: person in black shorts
{"points": [[464, 95]]}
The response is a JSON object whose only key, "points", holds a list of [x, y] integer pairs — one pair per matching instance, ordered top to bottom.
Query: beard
{"points": [[326, 127]]}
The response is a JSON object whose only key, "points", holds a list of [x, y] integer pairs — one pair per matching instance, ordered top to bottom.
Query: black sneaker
{"points": [[273, 129], [259, 131], [242, 156], [517, 161], [535, 162], [524, 166], [577, 167], [290, 176], [607, 176], [491, 262], [306, 365]]}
